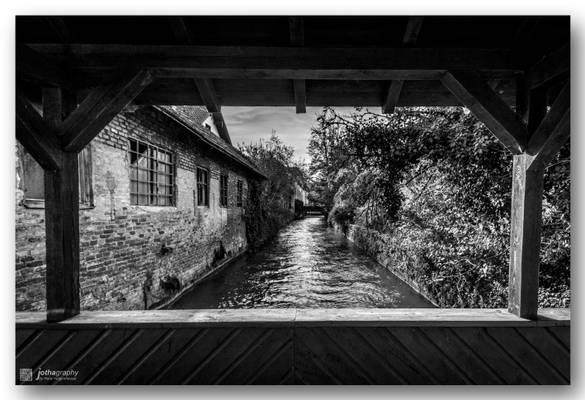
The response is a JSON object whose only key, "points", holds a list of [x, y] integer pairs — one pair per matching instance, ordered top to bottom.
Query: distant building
{"points": [[162, 200]]}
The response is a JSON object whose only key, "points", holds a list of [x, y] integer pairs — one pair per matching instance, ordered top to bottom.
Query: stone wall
{"points": [[125, 247]]}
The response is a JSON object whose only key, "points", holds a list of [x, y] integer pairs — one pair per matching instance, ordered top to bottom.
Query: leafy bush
{"points": [[436, 186], [267, 207], [341, 215]]}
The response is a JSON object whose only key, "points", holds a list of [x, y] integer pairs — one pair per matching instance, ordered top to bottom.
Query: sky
{"points": [[249, 124]]}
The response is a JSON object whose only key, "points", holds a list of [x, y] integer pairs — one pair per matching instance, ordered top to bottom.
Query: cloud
{"points": [[250, 124]]}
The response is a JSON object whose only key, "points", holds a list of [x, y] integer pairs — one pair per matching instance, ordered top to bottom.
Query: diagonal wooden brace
{"points": [[488, 107], [98, 109]]}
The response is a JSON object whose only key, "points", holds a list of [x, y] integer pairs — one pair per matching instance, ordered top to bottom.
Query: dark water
{"points": [[307, 265]]}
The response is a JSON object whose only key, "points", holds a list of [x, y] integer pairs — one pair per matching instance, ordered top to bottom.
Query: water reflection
{"points": [[306, 266]]}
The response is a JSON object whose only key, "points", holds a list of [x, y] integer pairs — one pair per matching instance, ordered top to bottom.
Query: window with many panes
{"points": [[152, 175], [202, 187], [223, 190], [240, 194]]}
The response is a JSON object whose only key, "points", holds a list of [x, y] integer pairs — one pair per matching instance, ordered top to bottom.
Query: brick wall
{"points": [[121, 243]]}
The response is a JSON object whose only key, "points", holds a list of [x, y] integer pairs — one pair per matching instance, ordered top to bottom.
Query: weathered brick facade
{"points": [[122, 244]]}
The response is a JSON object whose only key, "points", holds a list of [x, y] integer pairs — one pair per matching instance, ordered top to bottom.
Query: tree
{"points": [[437, 184], [268, 206]]}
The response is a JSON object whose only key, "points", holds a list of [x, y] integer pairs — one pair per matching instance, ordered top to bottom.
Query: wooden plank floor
{"points": [[298, 347]]}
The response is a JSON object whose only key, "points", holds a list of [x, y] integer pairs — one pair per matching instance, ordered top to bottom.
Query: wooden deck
{"points": [[299, 346]]}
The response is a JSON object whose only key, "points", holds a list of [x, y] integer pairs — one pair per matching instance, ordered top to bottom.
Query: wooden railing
{"points": [[298, 346]]}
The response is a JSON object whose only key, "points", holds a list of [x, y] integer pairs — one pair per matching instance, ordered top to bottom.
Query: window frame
{"points": [[85, 173], [154, 173], [202, 185], [224, 189], [240, 193]]}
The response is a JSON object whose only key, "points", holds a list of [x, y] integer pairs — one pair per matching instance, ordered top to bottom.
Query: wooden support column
{"points": [[551, 132], [55, 145], [526, 217], [61, 222], [62, 242]]}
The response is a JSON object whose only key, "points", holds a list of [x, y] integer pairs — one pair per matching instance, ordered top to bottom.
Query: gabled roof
{"points": [[194, 115], [191, 117]]}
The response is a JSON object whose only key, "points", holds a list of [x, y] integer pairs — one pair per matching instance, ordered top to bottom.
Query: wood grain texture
{"points": [[411, 33], [101, 56], [34, 67], [550, 67], [300, 92], [392, 97], [488, 107], [99, 108], [559, 113], [36, 135], [61, 222], [525, 236], [62, 243], [303, 317], [257, 347]]}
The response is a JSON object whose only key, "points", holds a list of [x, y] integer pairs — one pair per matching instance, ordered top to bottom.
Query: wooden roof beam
{"points": [[59, 26], [179, 28], [296, 28], [413, 28], [527, 28], [297, 38], [269, 60], [550, 67], [38, 68], [316, 73], [204, 85], [300, 90], [208, 95], [393, 96], [488, 107], [98, 109], [221, 126], [553, 131], [35, 135], [554, 142]]}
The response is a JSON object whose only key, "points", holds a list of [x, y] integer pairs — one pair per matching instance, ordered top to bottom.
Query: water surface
{"points": [[307, 266]]}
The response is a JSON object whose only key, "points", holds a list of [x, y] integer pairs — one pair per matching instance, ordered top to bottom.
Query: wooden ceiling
{"points": [[292, 61]]}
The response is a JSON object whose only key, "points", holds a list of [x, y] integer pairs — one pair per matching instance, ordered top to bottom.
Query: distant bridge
{"points": [[314, 210]]}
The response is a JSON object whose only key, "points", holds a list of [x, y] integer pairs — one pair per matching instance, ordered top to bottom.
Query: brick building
{"points": [[162, 199]]}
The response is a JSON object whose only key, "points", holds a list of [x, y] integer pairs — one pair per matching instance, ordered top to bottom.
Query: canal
{"points": [[307, 265]]}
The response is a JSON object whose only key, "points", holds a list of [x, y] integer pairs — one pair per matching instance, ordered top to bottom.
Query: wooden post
{"points": [[547, 131], [55, 144], [526, 221], [61, 223], [62, 242]]}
